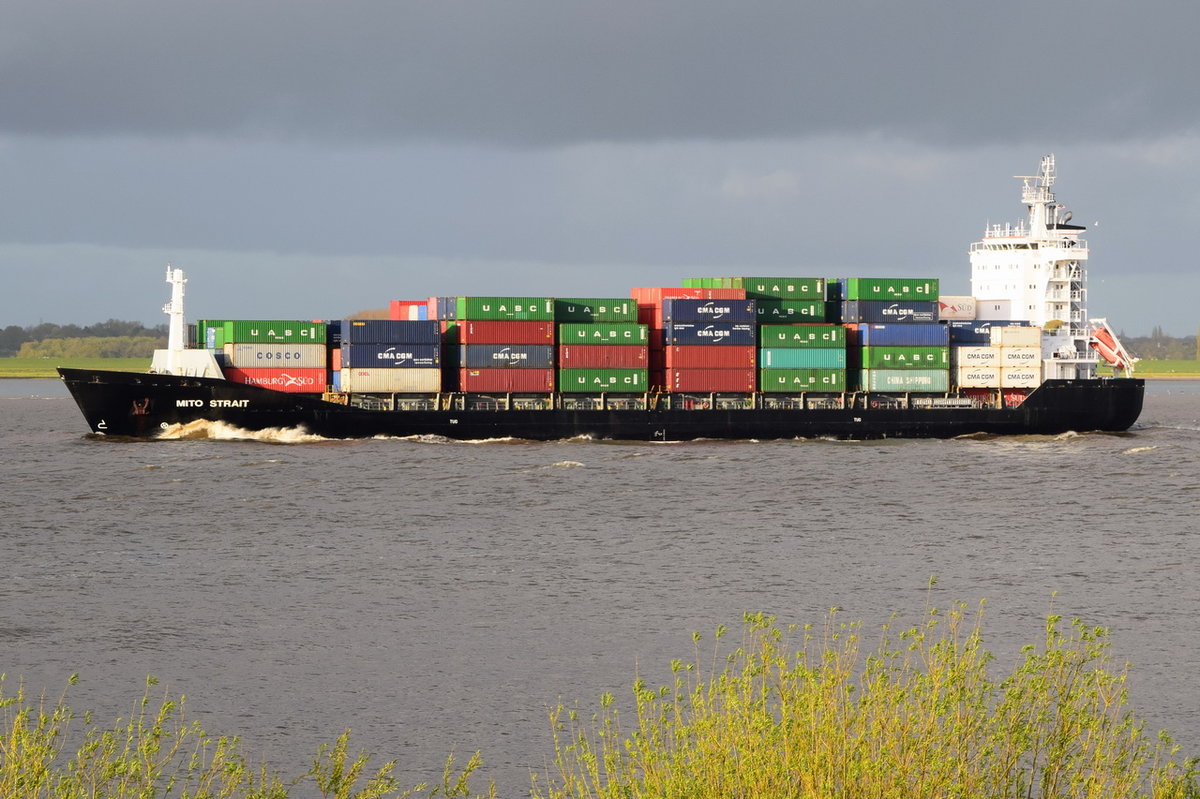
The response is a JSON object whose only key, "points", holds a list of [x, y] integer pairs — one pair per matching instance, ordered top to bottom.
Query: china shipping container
{"points": [[595, 309], [889, 311], [390, 331], [501, 332], [884, 335], [814, 336], [258, 356], [391, 356], [506, 356], [603, 356], [801, 358], [506, 380], [598, 380], [777, 380], [918, 380], [296, 381], [390, 381], [711, 381]]}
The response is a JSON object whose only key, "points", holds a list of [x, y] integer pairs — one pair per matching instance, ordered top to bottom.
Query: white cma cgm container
{"points": [[1013, 336], [264, 356], [965, 357], [1020, 357], [977, 377], [1020, 377], [391, 381]]}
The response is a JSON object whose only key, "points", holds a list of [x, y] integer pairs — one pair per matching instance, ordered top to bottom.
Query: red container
{"points": [[649, 299], [406, 309], [492, 332], [602, 356], [703, 357], [335, 358], [506, 380], [712, 380], [295, 381]]}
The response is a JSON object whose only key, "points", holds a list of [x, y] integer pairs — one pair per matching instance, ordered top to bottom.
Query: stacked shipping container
{"points": [[505, 344], [601, 346], [709, 346], [280, 354], [389, 356], [802, 358]]}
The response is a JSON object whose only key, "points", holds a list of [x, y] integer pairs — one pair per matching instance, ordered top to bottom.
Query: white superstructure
{"points": [[1036, 271], [177, 359]]}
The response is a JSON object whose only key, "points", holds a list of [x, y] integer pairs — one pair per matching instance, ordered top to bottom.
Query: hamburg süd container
{"points": [[890, 289], [506, 308], [960, 308], [595, 309], [724, 311], [889, 311], [780, 312], [274, 331], [390, 331], [471, 331], [603, 333], [710, 333], [814, 336], [259, 356], [391, 356], [506, 356], [603, 356], [905, 357], [802, 358], [506, 380], [598, 380], [776, 380], [918, 380], [293, 381], [390, 381], [710, 381]]}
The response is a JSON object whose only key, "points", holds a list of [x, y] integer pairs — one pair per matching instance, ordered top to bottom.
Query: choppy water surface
{"points": [[439, 596]]}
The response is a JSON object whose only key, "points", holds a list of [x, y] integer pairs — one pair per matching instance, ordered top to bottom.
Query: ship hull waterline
{"points": [[144, 405]]}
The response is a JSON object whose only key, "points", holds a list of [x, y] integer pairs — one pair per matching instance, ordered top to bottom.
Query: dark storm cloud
{"points": [[532, 73]]}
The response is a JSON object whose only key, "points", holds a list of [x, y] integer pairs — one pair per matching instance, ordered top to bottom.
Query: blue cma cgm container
{"points": [[676, 309], [391, 331], [978, 332], [689, 333], [903, 335], [391, 356], [506, 356]]}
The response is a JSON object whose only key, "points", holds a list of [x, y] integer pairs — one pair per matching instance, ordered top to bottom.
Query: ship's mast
{"points": [[177, 359]]}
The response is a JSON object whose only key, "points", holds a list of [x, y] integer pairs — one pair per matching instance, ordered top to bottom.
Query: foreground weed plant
{"points": [[803, 712], [158, 753]]}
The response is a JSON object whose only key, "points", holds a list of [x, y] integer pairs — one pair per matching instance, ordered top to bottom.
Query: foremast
{"points": [[1036, 271], [177, 359]]}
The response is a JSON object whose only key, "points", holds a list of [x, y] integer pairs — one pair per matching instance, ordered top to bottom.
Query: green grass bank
{"points": [[44, 367], [777, 712]]}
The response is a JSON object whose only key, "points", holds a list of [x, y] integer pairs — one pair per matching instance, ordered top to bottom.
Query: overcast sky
{"points": [[308, 158]]}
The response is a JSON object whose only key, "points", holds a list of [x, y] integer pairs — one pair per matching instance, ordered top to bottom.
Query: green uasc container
{"points": [[782, 288], [895, 288], [499, 309], [595, 309], [782, 311], [274, 331], [210, 333], [603, 333], [814, 336], [906, 357], [801, 358], [597, 380], [777, 380], [932, 380]]}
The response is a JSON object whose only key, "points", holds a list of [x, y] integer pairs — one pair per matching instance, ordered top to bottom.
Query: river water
{"points": [[441, 596]]}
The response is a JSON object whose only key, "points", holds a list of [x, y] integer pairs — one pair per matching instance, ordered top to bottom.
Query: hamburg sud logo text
{"points": [[282, 379]]}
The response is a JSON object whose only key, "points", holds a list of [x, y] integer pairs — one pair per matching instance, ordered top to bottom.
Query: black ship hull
{"points": [[144, 405]]}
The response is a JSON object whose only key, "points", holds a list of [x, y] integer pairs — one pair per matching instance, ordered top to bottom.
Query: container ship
{"points": [[716, 357]]}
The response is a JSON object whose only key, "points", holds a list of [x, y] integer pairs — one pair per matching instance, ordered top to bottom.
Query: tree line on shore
{"points": [[114, 338]]}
